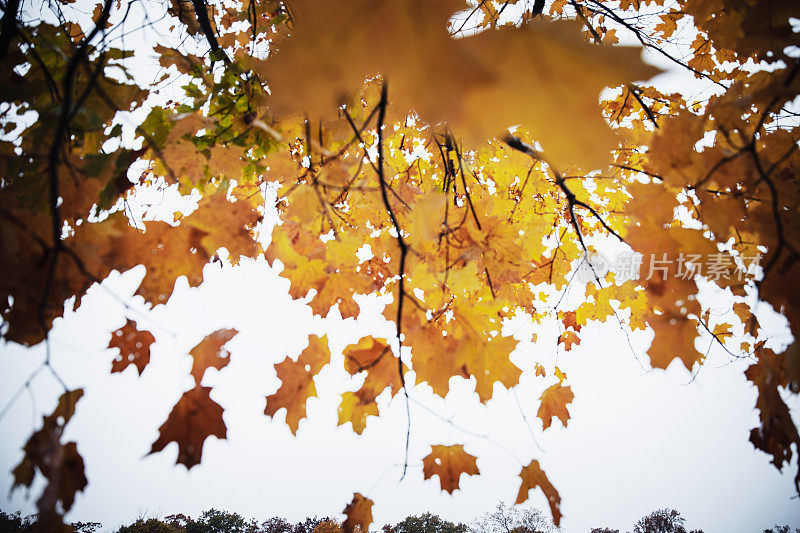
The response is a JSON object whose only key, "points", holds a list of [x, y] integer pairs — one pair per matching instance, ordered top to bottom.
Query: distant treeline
{"points": [[503, 520]]}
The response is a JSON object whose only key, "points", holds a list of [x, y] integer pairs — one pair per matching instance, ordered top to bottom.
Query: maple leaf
{"points": [[538, 61], [316, 69], [570, 320], [674, 338], [570, 339], [134, 347], [209, 353], [374, 357], [297, 382], [554, 402], [356, 407], [192, 420], [777, 432], [449, 462], [60, 464], [532, 477], [358, 513]]}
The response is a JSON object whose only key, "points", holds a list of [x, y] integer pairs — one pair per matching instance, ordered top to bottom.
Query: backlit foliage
{"points": [[378, 131]]}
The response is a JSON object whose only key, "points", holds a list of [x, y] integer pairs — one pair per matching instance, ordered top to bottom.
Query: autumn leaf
{"points": [[538, 61], [570, 320], [674, 338], [570, 339], [134, 347], [209, 353], [374, 357], [297, 382], [554, 402], [356, 407], [192, 420], [777, 432], [449, 462], [60, 464], [533, 476], [358, 514]]}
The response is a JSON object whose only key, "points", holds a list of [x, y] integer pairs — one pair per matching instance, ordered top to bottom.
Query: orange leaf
{"points": [[570, 339], [208, 353], [374, 357], [297, 382], [554, 402], [449, 462], [533, 476], [359, 513]]}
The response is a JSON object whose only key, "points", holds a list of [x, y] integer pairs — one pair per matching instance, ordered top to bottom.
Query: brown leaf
{"points": [[674, 338], [134, 347], [208, 353], [193, 419], [778, 431], [449, 462], [60, 464], [533, 476], [358, 513]]}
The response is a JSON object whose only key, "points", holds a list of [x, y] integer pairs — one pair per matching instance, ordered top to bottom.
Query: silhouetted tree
{"points": [[661, 521], [16, 523], [425, 523], [277, 524], [310, 524], [151, 525], [781, 529]]}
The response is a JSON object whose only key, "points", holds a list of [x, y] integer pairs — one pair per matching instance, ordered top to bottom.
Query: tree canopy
{"points": [[379, 133]]}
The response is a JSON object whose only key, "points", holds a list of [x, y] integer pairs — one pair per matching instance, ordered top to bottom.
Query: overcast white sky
{"points": [[637, 441]]}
